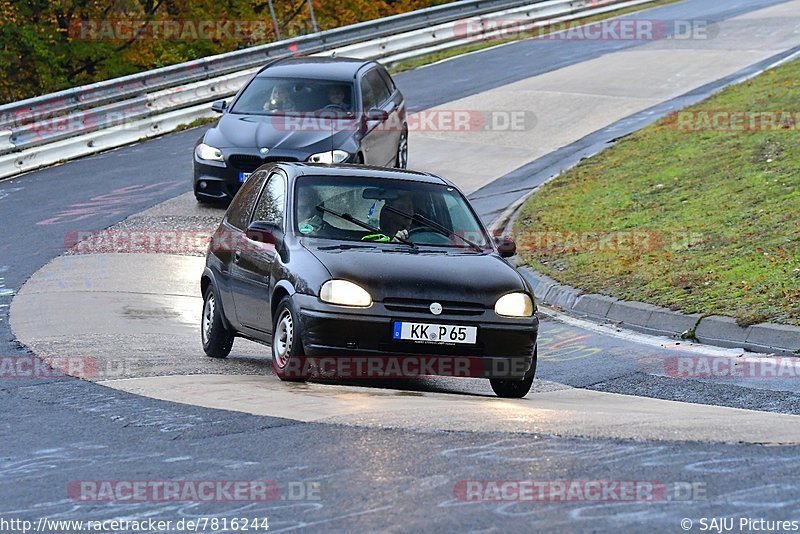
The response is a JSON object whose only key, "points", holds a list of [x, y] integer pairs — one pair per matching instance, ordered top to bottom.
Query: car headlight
{"points": [[208, 153], [331, 156], [345, 293], [514, 305]]}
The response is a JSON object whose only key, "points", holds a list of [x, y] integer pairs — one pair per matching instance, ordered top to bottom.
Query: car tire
{"points": [[401, 159], [216, 338], [287, 348], [515, 389]]}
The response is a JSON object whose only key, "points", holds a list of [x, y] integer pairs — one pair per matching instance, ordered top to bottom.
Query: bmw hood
{"points": [[277, 132], [398, 273]]}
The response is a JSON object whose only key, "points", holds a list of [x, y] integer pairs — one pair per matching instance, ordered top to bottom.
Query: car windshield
{"points": [[280, 96], [382, 210]]}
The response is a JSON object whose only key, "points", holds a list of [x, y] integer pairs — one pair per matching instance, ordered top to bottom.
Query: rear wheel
{"points": [[401, 161], [217, 340], [287, 350], [515, 389]]}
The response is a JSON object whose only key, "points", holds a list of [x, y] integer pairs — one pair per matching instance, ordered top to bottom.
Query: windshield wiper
{"points": [[349, 218], [433, 225], [347, 246]]}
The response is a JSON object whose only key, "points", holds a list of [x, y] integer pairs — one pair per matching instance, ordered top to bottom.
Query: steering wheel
{"points": [[335, 107], [419, 229], [433, 237]]}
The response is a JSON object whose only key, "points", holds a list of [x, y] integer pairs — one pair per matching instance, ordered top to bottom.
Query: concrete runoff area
{"points": [[566, 412]]}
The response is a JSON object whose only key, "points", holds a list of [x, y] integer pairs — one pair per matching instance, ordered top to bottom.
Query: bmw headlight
{"points": [[208, 153], [331, 156], [345, 293], [514, 305]]}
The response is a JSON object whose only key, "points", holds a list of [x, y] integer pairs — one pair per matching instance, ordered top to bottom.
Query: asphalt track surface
{"points": [[58, 430]]}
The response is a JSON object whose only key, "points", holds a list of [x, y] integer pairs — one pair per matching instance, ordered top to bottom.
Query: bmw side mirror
{"points": [[219, 106], [376, 114], [265, 232], [505, 246]]}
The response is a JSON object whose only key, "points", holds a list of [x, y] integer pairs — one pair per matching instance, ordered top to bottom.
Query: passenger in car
{"points": [[280, 99], [309, 217]]}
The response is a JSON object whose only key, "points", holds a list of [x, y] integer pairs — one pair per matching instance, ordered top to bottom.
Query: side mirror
{"points": [[219, 106], [376, 114], [265, 232], [505, 246]]}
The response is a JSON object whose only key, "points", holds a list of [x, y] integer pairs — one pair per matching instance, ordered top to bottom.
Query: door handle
{"points": [[237, 256]]}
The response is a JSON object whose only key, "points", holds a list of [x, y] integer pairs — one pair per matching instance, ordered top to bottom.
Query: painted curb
{"points": [[649, 319]]}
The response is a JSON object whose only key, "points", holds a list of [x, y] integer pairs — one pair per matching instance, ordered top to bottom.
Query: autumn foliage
{"points": [[43, 50]]}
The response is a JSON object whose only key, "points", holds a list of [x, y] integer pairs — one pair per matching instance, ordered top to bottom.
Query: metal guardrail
{"points": [[104, 92], [96, 117]]}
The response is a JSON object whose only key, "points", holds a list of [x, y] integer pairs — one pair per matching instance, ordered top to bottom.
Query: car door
{"points": [[396, 107], [378, 141], [229, 238], [253, 260]]}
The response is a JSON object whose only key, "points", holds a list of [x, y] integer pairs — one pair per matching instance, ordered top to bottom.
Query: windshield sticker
{"points": [[306, 228]]}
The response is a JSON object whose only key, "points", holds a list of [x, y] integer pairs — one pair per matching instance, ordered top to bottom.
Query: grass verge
{"points": [[688, 213]]}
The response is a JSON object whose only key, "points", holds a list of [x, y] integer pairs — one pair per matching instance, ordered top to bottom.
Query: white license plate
{"points": [[243, 176], [435, 333]]}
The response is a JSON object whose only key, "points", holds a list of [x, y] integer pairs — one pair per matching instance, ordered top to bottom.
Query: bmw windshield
{"points": [[281, 96], [362, 209]]}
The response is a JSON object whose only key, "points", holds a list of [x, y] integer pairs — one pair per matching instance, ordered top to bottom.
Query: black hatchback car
{"points": [[315, 109], [355, 271]]}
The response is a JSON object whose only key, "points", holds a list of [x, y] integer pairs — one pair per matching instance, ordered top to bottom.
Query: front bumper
{"points": [[215, 180], [221, 180], [505, 348]]}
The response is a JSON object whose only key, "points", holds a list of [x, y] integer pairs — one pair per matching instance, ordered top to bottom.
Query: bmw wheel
{"points": [[401, 161]]}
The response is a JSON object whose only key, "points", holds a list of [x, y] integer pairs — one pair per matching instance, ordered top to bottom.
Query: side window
{"points": [[387, 79], [374, 91], [367, 95], [272, 203], [242, 205]]}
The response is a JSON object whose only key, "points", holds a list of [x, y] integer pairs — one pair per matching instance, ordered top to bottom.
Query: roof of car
{"points": [[327, 68], [365, 171]]}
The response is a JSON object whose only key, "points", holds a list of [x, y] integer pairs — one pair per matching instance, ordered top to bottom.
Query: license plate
{"points": [[243, 176], [435, 333]]}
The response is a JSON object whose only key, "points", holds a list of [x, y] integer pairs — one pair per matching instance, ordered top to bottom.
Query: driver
{"points": [[336, 97], [393, 224]]}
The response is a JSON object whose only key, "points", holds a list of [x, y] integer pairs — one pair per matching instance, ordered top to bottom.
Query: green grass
{"points": [[415, 62], [200, 121], [726, 203]]}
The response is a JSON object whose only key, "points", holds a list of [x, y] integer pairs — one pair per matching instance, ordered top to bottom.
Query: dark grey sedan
{"points": [[320, 110]]}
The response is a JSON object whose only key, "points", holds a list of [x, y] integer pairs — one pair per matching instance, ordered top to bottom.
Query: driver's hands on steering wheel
{"points": [[400, 235]]}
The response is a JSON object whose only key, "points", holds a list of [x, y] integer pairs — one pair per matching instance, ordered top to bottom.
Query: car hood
{"points": [[258, 131], [397, 273]]}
